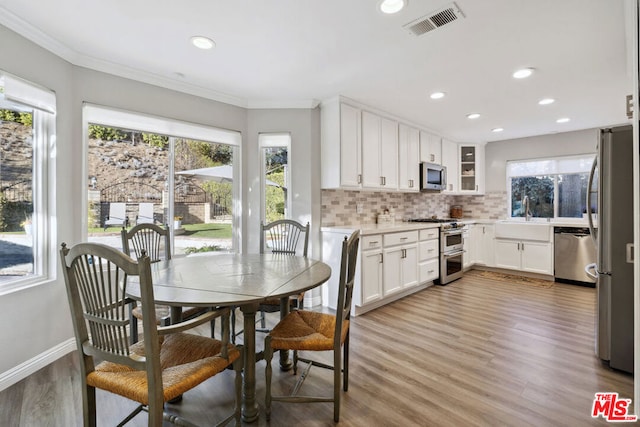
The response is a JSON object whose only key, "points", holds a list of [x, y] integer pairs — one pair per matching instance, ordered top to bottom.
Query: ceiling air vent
{"points": [[434, 20]]}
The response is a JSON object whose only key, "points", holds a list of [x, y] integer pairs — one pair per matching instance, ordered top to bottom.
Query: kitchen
{"points": [[107, 89]]}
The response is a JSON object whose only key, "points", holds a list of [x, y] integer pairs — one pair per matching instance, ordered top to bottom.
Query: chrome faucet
{"points": [[525, 202]]}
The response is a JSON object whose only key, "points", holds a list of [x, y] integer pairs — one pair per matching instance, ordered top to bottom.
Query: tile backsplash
{"points": [[340, 207]]}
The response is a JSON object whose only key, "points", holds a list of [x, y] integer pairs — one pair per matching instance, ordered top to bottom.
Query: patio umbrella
{"points": [[222, 173]]}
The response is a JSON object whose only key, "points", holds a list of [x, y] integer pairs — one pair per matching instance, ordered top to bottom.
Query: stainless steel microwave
{"points": [[433, 177]]}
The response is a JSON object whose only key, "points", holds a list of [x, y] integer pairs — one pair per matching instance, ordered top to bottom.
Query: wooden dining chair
{"points": [[284, 236], [156, 242], [303, 330], [165, 364]]}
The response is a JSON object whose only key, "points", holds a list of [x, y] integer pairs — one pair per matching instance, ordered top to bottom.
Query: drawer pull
{"points": [[374, 243]]}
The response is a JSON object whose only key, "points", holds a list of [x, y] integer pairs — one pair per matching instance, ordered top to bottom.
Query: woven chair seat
{"points": [[306, 330], [186, 359]]}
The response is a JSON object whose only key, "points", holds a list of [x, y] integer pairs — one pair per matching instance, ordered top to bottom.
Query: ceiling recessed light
{"points": [[392, 6], [202, 42], [523, 73], [437, 95], [546, 101], [473, 116], [563, 120], [497, 130]]}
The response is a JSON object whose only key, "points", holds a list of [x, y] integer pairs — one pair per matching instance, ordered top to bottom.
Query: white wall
{"points": [[559, 144], [304, 167], [36, 320]]}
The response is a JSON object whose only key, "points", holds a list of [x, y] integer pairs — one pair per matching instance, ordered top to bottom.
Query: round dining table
{"points": [[243, 280]]}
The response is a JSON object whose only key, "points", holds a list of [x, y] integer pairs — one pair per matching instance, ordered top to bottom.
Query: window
{"points": [[27, 129], [164, 172], [276, 175], [555, 187]]}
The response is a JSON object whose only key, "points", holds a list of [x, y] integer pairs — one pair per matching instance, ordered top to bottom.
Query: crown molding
{"points": [[43, 40]]}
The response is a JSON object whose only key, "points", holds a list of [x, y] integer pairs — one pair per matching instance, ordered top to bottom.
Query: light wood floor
{"points": [[472, 353]]}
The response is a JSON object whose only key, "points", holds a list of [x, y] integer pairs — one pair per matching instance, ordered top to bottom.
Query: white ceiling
{"points": [[295, 53]]}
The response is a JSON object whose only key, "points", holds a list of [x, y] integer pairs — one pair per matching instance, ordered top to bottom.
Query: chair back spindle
{"points": [[284, 236]]}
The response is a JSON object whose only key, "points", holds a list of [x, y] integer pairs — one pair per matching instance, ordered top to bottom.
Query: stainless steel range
{"points": [[451, 248]]}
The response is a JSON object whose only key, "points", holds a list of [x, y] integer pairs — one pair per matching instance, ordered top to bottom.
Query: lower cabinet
{"points": [[524, 255], [429, 256], [389, 267], [400, 268], [371, 270]]}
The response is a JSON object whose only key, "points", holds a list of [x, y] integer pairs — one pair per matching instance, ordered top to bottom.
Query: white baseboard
{"points": [[22, 371]]}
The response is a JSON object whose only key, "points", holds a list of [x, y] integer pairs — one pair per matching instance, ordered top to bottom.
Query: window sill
{"points": [[22, 284]]}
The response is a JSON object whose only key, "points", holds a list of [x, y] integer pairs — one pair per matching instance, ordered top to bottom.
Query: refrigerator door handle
{"points": [[589, 189], [630, 253], [591, 271]]}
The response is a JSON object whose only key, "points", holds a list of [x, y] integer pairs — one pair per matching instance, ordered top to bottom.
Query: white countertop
{"points": [[367, 229]]}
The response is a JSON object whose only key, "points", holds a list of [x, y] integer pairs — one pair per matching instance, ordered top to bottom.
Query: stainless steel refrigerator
{"points": [[612, 180]]}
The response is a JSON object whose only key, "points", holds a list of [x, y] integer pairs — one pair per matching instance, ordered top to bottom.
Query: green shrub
{"points": [[105, 133], [155, 140], [205, 248]]}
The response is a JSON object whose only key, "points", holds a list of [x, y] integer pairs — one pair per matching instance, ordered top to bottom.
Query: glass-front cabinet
{"points": [[471, 168]]}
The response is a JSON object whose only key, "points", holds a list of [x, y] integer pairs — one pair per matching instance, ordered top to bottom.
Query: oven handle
{"points": [[452, 232], [451, 255]]}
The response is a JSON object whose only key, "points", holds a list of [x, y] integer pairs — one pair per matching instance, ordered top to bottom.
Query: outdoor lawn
{"points": [[211, 231]]}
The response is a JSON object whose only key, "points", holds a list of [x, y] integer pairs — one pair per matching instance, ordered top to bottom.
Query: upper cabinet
{"points": [[430, 148], [363, 149], [379, 152], [341, 158], [409, 158], [450, 161], [471, 169]]}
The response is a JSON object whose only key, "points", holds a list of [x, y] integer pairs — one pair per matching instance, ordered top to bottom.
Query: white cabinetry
{"points": [[341, 130], [430, 148], [379, 152], [409, 153], [450, 160], [471, 169], [482, 235], [524, 255], [429, 256], [371, 261], [400, 264], [386, 270]]}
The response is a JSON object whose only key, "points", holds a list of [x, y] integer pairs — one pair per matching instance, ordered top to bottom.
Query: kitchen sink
{"points": [[523, 230]]}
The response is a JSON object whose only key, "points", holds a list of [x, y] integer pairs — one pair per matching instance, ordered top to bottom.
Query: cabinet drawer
{"points": [[429, 233], [393, 239], [371, 242], [428, 250], [429, 270]]}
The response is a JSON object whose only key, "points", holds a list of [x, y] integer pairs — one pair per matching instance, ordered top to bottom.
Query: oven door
{"points": [[451, 240], [451, 266]]}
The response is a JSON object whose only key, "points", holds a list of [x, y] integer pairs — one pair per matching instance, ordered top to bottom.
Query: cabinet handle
{"points": [[432, 157], [359, 178], [381, 180], [384, 180], [410, 183], [476, 187], [403, 238], [373, 243], [518, 245], [523, 246], [430, 250], [404, 253], [381, 258], [430, 271]]}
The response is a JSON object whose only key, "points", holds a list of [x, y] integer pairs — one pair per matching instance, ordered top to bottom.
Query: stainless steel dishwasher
{"points": [[573, 249]]}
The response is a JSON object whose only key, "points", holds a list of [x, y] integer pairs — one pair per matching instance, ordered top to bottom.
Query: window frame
{"points": [[41, 102], [113, 117], [274, 140], [557, 169]]}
